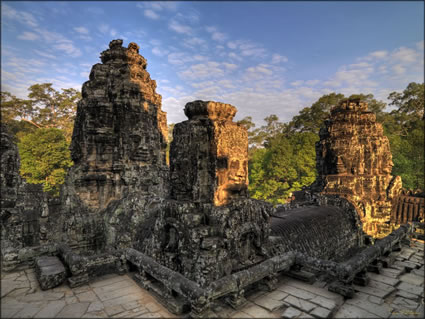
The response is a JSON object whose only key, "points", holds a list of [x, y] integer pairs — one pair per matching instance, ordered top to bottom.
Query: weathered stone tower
{"points": [[120, 132], [209, 155], [354, 161], [209, 228]]}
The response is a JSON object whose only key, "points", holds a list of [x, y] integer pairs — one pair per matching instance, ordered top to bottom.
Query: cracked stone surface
{"points": [[113, 296]]}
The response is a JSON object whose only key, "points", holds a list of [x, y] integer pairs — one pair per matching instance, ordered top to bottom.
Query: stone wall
{"points": [[354, 161]]}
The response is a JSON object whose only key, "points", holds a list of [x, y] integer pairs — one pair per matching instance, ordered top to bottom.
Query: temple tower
{"points": [[120, 131], [354, 161]]}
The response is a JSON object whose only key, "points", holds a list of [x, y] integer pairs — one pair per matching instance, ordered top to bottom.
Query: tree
{"points": [[411, 101], [45, 108], [310, 119], [404, 127], [45, 158], [286, 165]]}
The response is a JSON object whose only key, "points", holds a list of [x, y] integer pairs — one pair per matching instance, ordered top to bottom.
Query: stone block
{"points": [[50, 272], [384, 279], [412, 279], [416, 290], [297, 292], [378, 292], [324, 302], [268, 303], [299, 303], [51, 310], [75, 310], [351, 311], [382, 311], [320, 312], [290, 313]]}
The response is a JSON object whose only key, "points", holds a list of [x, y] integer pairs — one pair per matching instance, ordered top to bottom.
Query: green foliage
{"points": [[411, 101], [46, 107], [310, 119], [404, 127], [282, 155], [45, 158], [285, 166]]}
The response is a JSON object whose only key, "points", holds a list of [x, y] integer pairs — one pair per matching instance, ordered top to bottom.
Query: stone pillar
{"points": [[209, 155]]}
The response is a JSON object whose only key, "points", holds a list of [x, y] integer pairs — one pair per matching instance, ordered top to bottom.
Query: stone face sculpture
{"points": [[120, 132], [209, 155], [354, 161], [209, 228]]}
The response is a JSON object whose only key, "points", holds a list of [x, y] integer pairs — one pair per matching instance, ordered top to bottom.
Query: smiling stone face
{"points": [[209, 155], [232, 171]]}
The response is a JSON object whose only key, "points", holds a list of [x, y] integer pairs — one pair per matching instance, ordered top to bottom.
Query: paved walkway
{"points": [[394, 293]]}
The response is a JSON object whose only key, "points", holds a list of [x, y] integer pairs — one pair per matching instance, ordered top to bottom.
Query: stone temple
{"points": [[189, 232]]}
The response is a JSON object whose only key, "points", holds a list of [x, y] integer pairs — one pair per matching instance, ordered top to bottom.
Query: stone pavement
{"points": [[397, 292]]}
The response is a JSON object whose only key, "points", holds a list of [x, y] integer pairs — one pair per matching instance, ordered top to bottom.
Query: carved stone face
{"points": [[139, 147], [233, 181]]}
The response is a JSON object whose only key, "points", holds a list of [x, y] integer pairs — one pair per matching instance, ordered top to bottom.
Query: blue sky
{"points": [[262, 57]]}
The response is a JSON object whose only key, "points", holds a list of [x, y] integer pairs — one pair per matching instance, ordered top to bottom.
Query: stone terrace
{"points": [[397, 292]]}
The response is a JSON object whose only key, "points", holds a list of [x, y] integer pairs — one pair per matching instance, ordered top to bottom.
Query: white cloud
{"points": [[158, 5], [151, 14], [20, 16], [104, 28], [179, 28], [81, 30], [113, 32], [215, 34], [28, 36], [218, 36], [155, 42], [195, 43], [232, 44], [420, 46], [68, 48], [252, 49], [158, 52], [44, 54], [379, 54], [233, 55], [405, 55], [178, 58], [200, 58], [276, 58], [360, 65], [230, 66], [261, 68], [399, 69], [203, 70], [84, 74], [352, 75], [312, 82], [297, 83], [228, 84]]}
